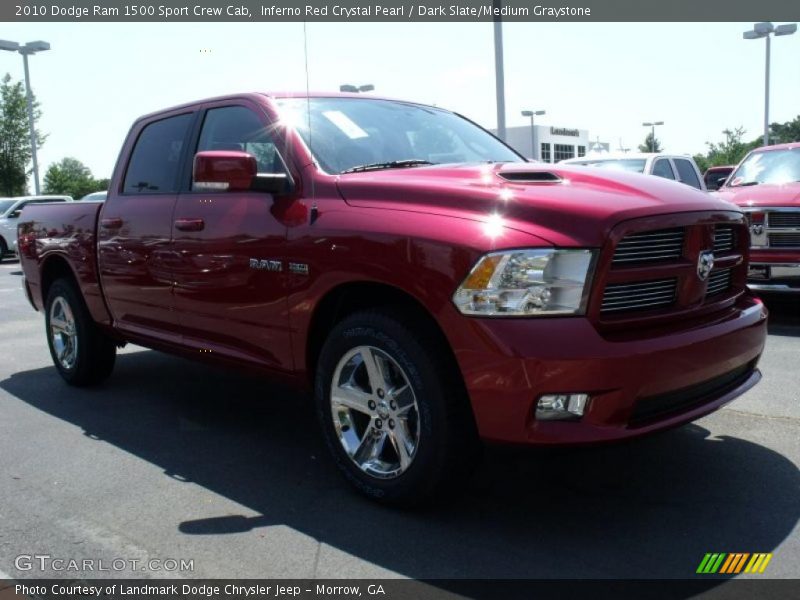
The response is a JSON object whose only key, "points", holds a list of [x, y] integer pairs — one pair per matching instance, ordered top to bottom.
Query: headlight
{"points": [[517, 283]]}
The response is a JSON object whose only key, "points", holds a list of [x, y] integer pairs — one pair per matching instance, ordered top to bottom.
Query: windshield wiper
{"points": [[394, 164], [746, 183]]}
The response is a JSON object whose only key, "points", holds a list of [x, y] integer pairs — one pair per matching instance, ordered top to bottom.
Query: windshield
{"points": [[354, 132], [634, 165], [771, 166], [5, 205]]}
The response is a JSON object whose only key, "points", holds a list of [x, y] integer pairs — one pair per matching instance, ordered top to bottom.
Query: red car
{"points": [[715, 177], [766, 185], [431, 287]]}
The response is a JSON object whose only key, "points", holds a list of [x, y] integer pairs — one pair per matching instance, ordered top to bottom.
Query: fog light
{"points": [[561, 406]]}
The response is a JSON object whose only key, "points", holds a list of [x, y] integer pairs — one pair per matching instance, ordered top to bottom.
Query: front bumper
{"points": [[774, 276], [636, 384]]}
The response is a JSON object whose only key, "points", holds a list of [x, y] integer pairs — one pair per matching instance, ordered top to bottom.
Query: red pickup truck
{"points": [[766, 185], [431, 287]]}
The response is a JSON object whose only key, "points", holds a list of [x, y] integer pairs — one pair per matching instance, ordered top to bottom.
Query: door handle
{"points": [[112, 223], [190, 224]]}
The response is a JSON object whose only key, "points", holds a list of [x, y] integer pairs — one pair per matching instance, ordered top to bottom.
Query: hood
{"points": [[766, 194], [566, 206]]}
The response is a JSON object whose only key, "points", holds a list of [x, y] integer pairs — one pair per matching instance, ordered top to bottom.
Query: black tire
{"points": [[3, 249], [94, 353], [448, 448]]}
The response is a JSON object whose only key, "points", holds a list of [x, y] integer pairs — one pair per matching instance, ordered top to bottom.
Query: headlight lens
{"points": [[517, 283]]}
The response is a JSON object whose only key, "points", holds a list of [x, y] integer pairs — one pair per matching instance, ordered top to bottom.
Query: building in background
{"points": [[553, 144]]}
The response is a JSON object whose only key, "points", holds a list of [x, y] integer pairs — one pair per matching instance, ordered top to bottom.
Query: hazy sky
{"points": [[699, 78]]}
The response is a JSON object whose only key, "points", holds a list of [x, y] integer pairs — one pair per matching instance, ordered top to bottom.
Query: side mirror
{"points": [[223, 170], [234, 171], [15, 214]]}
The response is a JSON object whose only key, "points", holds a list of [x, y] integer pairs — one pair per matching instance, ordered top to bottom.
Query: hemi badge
{"points": [[299, 268]]}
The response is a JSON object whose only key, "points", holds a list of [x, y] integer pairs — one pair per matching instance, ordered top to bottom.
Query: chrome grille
{"points": [[784, 219], [724, 238], [784, 240], [650, 246], [719, 281], [639, 296]]}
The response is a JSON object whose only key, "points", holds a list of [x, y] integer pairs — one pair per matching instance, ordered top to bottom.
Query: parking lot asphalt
{"points": [[170, 459]]}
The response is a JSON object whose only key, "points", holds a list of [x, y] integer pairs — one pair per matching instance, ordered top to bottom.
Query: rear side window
{"points": [[239, 128], [154, 163], [662, 168], [686, 172]]}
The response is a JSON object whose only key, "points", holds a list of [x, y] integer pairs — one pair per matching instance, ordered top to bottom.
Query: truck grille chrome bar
{"points": [[781, 219], [724, 238], [784, 240], [651, 246], [718, 282], [639, 296]]}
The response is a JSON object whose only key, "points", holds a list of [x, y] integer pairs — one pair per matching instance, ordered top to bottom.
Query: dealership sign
{"points": [[564, 131]]}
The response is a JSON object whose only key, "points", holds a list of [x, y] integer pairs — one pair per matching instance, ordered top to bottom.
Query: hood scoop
{"points": [[530, 176]]}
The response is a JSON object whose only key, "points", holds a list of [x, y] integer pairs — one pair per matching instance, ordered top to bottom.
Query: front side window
{"points": [[239, 128], [346, 133], [154, 162], [768, 166], [662, 168], [687, 173]]}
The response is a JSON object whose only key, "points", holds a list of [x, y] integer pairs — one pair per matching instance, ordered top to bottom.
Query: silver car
{"points": [[669, 166], [10, 209]]}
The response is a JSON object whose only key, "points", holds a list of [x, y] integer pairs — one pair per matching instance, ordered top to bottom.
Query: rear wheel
{"points": [[3, 249], [82, 353], [393, 414]]}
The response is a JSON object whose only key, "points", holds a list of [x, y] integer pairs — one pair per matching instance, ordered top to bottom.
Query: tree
{"points": [[782, 133], [15, 144], [651, 144], [730, 151], [727, 152], [70, 176]]}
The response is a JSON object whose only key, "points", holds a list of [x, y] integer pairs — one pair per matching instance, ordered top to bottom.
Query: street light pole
{"points": [[765, 30], [25, 51], [499, 76], [766, 94], [532, 114], [30, 124], [652, 126]]}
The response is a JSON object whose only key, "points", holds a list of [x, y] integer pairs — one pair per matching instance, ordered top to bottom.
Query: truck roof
{"points": [[278, 95], [787, 146]]}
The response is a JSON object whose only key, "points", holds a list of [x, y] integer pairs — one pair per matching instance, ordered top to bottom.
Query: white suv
{"points": [[669, 166], [10, 208]]}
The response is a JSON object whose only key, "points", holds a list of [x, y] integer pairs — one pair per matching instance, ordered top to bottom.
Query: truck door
{"points": [[135, 227], [225, 305]]}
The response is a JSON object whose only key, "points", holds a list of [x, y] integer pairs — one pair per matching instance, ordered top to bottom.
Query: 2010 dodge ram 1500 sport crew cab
{"points": [[766, 185], [430, 286]]}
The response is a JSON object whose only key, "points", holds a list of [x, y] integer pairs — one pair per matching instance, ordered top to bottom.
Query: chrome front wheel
{"points": [[375, 412]]}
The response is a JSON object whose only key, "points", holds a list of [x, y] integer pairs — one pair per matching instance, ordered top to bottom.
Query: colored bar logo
{"points": [[733, 563]]}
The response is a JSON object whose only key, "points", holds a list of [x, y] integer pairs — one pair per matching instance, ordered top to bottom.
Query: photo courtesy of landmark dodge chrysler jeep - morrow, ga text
{"points": [[766, 185], [431, 287]]}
